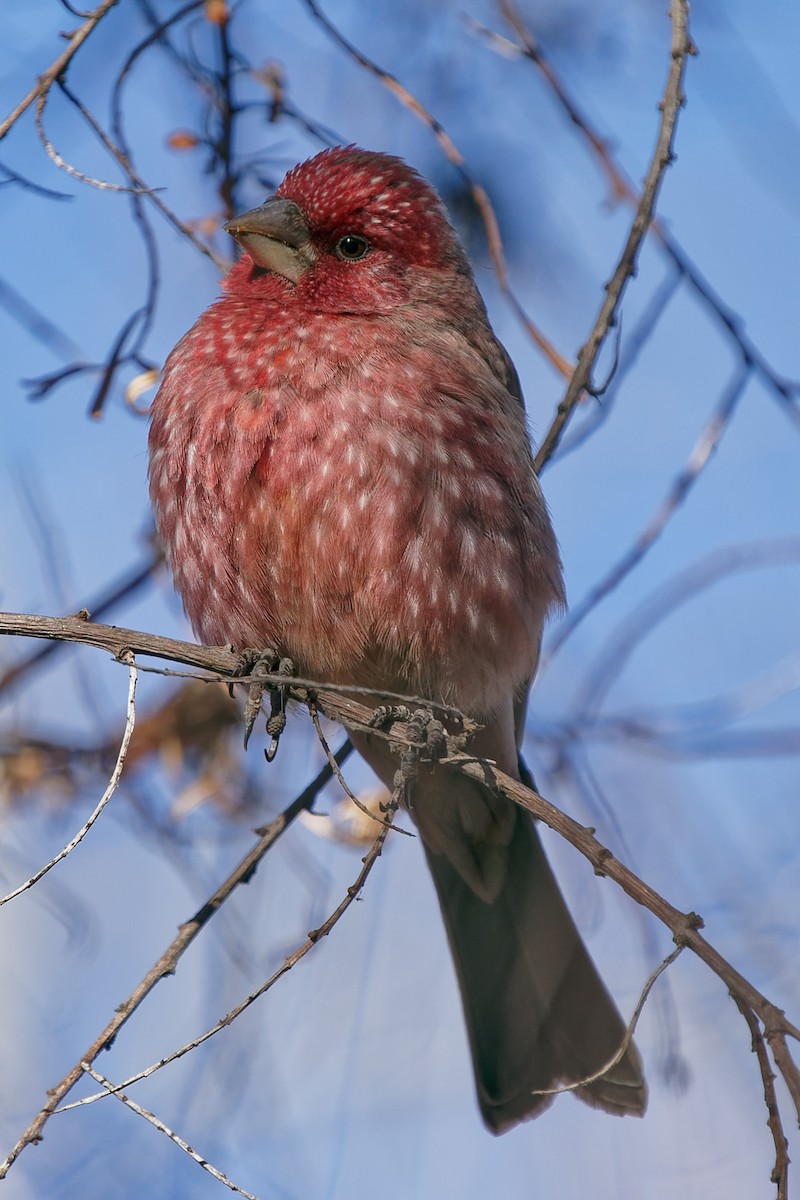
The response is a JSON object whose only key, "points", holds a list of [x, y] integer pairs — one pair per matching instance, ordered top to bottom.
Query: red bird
{"points": [[340, 470]]}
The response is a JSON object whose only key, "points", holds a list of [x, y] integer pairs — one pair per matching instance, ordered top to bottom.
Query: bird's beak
{"points": [[276, 236]]}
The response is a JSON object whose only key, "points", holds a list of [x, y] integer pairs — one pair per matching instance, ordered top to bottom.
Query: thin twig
{"points": [[57, 69], [228, 111], [454, 155], [103, 185], [623, 188], [139, 189], [35, 322], [636, 339], [581, 380], [701, 453], [662, 604], [113, 783], [345, 786], [685, 927], [288, 963], [627, 1037], [170, 1133]]}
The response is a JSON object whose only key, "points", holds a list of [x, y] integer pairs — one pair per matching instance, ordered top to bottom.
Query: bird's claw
{"points": [[262, 666], [387, 714], [425, 733], [428, 735]]}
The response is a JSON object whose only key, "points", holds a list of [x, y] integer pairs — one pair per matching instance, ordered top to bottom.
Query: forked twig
{"points": [[57, 68], [168, 961]]}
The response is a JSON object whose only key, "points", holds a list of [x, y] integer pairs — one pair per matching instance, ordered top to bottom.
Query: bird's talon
{"points": [[261, 666], [250, 713], [386, 714], [276, 721], [272, 749]]}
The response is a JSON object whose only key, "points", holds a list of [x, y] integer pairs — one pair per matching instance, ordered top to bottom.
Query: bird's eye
{"points": [[352, 247]]}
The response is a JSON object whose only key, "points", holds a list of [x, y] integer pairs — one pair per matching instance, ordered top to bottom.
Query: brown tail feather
{"points": [[537, 1013]]}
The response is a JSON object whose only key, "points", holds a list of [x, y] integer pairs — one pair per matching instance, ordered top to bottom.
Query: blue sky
{"points": [[352, 1078]]}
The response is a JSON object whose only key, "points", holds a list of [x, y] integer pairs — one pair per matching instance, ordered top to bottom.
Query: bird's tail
{"points": [[537, 1012]]}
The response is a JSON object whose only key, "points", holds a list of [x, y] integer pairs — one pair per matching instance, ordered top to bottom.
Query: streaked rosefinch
{"points": [[340, 470]]}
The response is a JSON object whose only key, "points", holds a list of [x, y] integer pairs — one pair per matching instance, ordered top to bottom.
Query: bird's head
{"points": [[348, 231]]}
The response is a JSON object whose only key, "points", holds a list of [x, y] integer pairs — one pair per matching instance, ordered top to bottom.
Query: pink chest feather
{"points": [[372, 515]]}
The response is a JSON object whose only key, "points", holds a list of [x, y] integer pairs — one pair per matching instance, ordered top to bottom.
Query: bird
{"points": [[340, 470]]}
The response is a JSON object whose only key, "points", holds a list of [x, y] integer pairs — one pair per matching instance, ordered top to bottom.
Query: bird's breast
{"points": [[364, 513]]}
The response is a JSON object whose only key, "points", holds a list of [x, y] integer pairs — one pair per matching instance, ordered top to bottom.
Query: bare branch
{"points": [[57, 69], [623, 188], [626, 267], [222, 661], [368, 862], [685, 927], [167, 963], [780, 1172]]}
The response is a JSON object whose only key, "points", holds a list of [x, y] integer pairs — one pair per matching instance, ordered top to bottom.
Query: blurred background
{"points": [[667, 713]]}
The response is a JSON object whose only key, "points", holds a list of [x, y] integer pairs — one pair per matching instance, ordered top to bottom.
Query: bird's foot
{"points": [[262, 667], [387, 714], [425, 740]]}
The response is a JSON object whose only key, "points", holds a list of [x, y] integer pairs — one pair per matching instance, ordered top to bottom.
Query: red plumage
{"points": [[340, 470]]}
